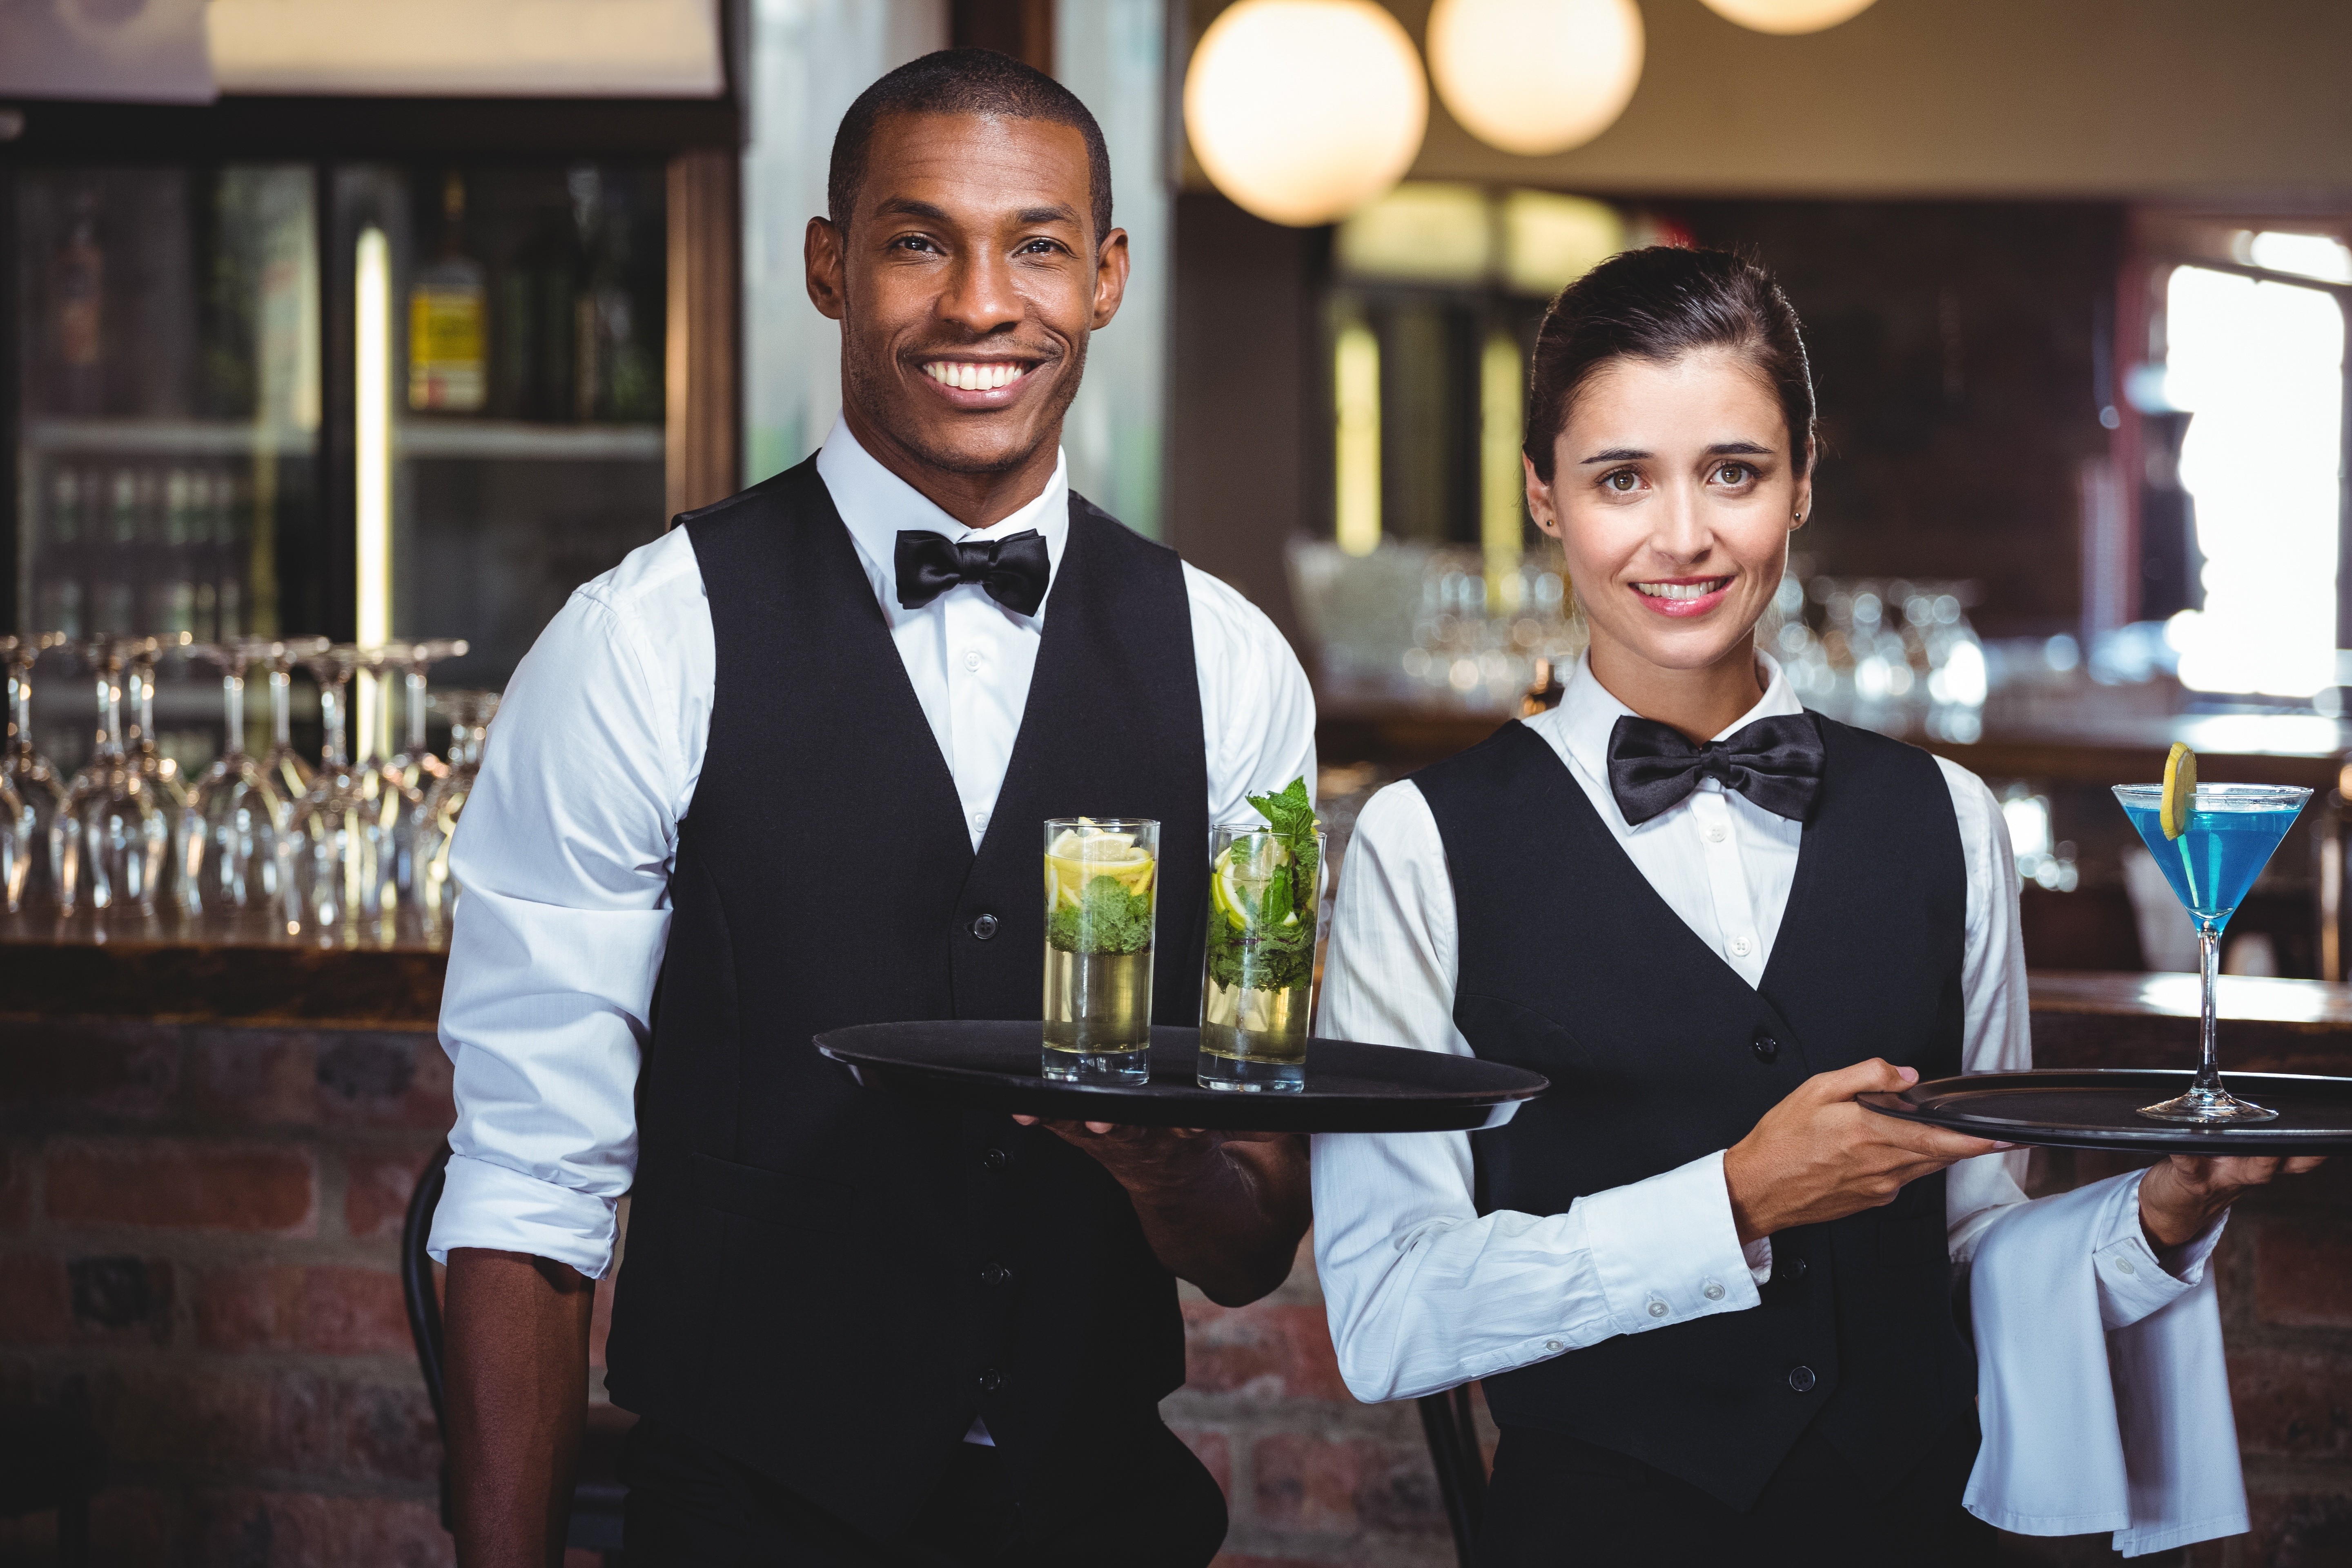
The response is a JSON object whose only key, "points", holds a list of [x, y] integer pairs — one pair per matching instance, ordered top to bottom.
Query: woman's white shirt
{"points": [[1423, 1291]]}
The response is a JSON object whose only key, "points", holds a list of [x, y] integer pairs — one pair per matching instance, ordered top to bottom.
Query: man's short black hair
{"points": [[963, 81]]}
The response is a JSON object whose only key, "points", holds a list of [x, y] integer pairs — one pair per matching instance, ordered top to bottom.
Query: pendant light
{"points": [[1788, 15], [1535, 76], [1302, 111]]}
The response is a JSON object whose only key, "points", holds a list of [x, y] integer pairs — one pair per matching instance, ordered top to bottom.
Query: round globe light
{"points": [[1788, 15], [1533, 77], [1302, 111]]}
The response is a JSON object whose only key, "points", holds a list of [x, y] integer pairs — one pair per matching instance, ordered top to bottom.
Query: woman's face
{"points": [[1672, 495]]}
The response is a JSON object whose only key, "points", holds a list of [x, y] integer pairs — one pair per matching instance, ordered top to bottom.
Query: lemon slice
{"points": [[2179, 790]]}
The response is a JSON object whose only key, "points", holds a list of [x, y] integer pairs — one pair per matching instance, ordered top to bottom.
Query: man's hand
{"points": [[1818, 1156], [2181, 1196], [1225, 1210], [516, 1397]]}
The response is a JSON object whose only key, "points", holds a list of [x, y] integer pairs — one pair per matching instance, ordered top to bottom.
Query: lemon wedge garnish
{"points": [[2179, 790]]}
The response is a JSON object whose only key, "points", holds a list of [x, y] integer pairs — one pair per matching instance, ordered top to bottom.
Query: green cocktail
{"points": [[1265, 889], [1101, 904]]}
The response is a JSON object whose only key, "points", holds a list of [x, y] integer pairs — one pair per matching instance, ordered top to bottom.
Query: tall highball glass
{"points": [[1102, 898], [1257, 985]]}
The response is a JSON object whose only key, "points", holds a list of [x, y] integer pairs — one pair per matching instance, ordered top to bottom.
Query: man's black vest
{"points": [[1659, 1053], [826, 1283]]}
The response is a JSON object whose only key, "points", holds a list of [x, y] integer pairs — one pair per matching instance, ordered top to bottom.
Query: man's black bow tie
{"points": [[1014, 570], [1775, 761]]}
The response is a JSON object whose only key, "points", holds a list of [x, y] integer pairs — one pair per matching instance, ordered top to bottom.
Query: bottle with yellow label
{"points": [[448, 335]]}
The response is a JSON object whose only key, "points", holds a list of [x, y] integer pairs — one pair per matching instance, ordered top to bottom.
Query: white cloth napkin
{"points": [[2100, 1380]]}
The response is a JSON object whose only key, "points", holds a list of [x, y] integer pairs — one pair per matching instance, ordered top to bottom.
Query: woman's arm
{"points": [[1423, 1291]]}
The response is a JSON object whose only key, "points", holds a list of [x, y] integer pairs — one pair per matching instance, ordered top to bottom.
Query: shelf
{"points": [[164, 437], [515, 439]]}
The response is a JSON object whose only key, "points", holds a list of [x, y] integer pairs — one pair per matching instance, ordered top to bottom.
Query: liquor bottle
{"points": [[79, 289], [446, 332]]}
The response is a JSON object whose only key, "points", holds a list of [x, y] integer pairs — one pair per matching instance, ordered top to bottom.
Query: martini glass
{"points": [[288, 770], [2231, 833], [230, 856]]}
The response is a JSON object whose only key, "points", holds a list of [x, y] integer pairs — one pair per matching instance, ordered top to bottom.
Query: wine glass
{"points": [[469, 714], [289, 774], [113, 839], [230, 852], [2210, 861], [30, 875], [332, 888]]}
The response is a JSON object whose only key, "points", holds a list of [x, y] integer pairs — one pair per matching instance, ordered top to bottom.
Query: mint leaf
{"points": [[1106, 919], [1274, 949]]}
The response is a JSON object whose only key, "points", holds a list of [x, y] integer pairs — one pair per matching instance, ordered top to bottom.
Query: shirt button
{"points": [[971, 658], [979, 822], [1715, 835], [984, 927], [1739, 946], [2126, 1265], [1712, 1290], [1659, 1308], [1554, 1346], [1802, 1379]]}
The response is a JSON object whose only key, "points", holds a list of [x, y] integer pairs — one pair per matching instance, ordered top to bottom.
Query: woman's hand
{"points": [[1818, 1156], [2181, 1196]]}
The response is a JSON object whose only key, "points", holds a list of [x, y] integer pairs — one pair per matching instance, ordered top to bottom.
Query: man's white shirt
{"points": [[571, 831]]}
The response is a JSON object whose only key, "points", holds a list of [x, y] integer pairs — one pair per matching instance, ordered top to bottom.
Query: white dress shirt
{"points": [[571, 831], [1423, 1291]]}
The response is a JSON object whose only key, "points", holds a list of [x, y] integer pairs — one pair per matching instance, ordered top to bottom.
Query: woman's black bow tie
{"points": [[1015, 569], [1775, 761]]}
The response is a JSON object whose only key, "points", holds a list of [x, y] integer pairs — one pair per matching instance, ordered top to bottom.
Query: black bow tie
{"points": [[1014, 570], [1775, 761]]}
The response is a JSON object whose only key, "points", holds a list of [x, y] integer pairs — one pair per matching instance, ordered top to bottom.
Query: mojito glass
{"points": [[1102, 897], [1257, 988]]}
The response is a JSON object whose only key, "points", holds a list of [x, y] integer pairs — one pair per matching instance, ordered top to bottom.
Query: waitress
{"points": [[1708, 1294]]}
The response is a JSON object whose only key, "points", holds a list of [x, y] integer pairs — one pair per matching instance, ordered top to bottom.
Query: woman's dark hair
{"points": [[1660, 304]]}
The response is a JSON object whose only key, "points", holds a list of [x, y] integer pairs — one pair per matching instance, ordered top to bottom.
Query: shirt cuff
{"points": [[492, 1207], [1666, 1249], [2133, 1283]]}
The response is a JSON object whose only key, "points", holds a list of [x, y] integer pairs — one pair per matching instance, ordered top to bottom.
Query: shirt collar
{"points": [[877, 504], [1589, 711]]}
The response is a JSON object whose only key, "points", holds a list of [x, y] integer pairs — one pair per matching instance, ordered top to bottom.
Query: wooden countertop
{"points": [[212, 972], [2150, 1020]]}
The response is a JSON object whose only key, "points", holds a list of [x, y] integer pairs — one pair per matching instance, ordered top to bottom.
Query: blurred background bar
{"points": [[378, 323]]}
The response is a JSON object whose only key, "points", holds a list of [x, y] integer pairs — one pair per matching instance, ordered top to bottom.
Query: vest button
{"points": [[984, 927], [1766, 1048], [995, 1160], [1796, 1270], [996, 1274], [1801, 1379], [993, 1380]]}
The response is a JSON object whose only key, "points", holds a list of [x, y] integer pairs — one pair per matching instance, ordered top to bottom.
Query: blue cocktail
{"points": [[2210, 853]]}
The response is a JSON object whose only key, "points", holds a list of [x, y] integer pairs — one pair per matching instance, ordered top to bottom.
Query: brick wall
{"points": [[198, 1251]]}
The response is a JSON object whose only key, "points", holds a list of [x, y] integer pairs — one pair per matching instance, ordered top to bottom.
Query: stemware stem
{"points": [[415, 684], [282, 707], [233, 710], [336, 753], [2209, 965]]}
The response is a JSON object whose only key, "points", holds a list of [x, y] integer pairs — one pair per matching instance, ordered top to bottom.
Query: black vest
{"points": [[1659, 1053], [824, 1282]]}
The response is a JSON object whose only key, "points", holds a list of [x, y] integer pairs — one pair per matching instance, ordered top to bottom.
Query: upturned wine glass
{"points": [[469, 714], [288, 770], [113, 841], [231, 862], [29, 876], [333, 885]]}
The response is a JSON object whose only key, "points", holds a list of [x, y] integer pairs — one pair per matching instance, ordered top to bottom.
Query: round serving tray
{"points": [[1350, 1087], [2099, 1110]]}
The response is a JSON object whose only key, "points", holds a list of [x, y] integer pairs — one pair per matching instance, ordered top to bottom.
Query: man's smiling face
{"points": [[966, 282]]}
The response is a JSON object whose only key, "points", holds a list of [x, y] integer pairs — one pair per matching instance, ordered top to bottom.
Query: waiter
{"points": [[783, 771]]}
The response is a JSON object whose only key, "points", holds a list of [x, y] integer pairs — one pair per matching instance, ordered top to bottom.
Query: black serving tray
{"points": [[1350, 1087], [2098, 1109]]}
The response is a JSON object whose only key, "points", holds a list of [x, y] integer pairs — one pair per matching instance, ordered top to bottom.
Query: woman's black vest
{"points": [[1659, 1053], [826, 1283]]}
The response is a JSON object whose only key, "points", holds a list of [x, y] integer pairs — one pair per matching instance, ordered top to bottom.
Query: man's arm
{"points": [[1225, 1210], [517, 1397]]}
